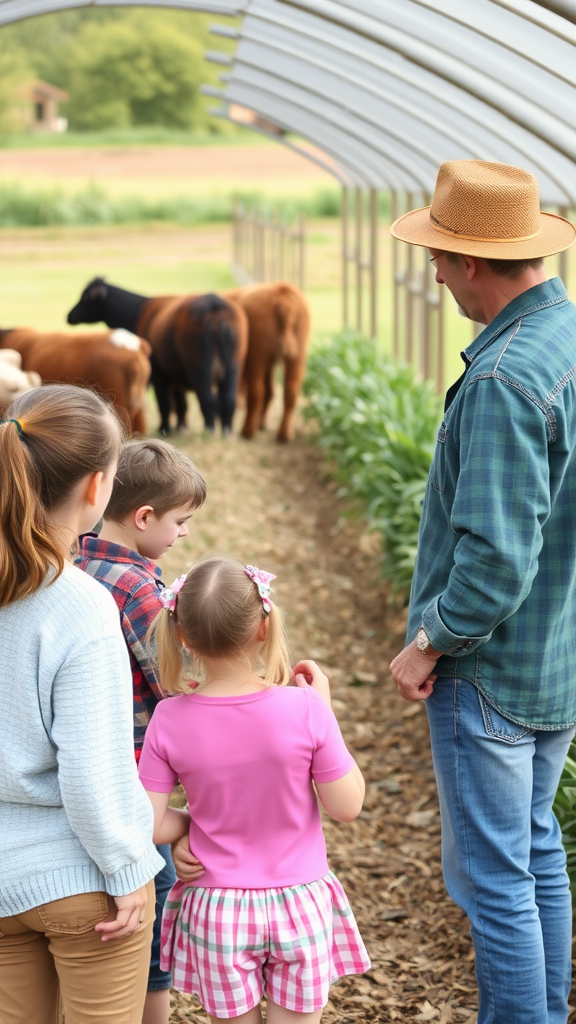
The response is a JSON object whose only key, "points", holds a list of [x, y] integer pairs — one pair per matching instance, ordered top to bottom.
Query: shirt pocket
{"points": [[438, 468]]}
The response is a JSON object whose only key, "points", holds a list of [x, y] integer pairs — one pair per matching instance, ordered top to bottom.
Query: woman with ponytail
{"points": [[76, 851]]}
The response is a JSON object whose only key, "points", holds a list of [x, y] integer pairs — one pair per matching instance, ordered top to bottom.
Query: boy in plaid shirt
{"points": [[156, 490]]}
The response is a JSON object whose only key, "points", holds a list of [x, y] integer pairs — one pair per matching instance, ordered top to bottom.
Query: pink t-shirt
{"points": [[247, 764]]}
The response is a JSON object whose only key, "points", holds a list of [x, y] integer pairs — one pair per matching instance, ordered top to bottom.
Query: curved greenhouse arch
{"points": [[389, 91]]}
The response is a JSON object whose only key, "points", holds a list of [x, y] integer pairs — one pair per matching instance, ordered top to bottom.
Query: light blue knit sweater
{"points": [[73, 815]]}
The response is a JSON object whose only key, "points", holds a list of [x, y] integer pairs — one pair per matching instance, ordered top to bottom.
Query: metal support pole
{"points": [[359, 218], [345, 227], [563, 256], [302, 260], [373, 263], [395, 281], [408, 293], [427, 320], [440, 353]]}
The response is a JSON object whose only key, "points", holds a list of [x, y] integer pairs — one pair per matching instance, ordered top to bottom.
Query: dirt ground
{"points": [[162, 161], [273, 506]]}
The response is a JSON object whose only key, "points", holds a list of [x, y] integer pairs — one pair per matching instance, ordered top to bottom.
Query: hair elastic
{"points": [[19, 424], [262, 580], [169, 595]]}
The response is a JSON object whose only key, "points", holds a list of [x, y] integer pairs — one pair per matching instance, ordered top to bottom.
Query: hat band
{"points": [[475, 238]]}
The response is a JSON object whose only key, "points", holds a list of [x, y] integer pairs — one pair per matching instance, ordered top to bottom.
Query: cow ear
{"points": [[98, 290]]}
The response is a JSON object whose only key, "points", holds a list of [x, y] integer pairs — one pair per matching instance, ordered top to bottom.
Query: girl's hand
{"points": [[307, 673], [187, 867], [129, 916]]}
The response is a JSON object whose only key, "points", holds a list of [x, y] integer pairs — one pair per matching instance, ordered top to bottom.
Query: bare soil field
{"points": [[243, 162], [273, 506]]}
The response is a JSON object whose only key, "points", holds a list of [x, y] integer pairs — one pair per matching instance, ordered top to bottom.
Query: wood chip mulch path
{"points": [[275, 507]]}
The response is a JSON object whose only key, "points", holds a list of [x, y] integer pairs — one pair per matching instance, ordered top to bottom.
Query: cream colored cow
{"points": [[13, 381]]}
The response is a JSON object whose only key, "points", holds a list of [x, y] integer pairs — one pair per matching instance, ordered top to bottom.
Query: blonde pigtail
{"points": [[165, 642], [275, 651]]}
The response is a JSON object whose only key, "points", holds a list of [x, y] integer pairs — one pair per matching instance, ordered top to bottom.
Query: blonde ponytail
{"points": [[52, 437], [168, 652]]}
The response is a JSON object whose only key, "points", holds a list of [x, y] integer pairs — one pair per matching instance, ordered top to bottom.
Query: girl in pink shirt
{"points": [[267, 916]]}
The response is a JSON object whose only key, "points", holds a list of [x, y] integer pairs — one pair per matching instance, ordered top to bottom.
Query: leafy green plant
{"points": [[377, 423], [565, 811]]}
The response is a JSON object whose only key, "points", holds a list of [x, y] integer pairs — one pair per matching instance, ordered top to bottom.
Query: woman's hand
{"points": [[307, 673], [187, 866], [129, 917]]}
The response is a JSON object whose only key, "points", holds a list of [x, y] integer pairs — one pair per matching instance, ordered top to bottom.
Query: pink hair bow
{"points": [[262, 580], [169, 594]]}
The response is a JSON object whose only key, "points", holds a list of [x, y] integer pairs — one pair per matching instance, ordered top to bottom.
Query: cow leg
{"points": [[293, 375], [161, 386], [227, 389], [255, 389], [268, 395], [207, 398], [181, 407], [138, 422]]}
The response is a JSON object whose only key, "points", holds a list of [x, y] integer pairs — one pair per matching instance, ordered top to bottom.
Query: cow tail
{"points": [[286, 308], [226, 344], [136, 382]]}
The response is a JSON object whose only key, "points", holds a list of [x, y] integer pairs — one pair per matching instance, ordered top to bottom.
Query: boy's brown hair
{"points": [[154, 473]]}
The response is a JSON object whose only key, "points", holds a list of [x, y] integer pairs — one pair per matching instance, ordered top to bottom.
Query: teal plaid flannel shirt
{"points": [[495, 578]]}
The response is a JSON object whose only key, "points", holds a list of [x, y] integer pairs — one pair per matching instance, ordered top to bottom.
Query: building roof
{"points": [[43, 90]]}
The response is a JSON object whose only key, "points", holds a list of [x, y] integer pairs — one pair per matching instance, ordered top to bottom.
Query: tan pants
{"points": [[52, 961]]}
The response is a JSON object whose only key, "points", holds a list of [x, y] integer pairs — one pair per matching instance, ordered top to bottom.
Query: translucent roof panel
{"points": [[416, 84], [389, 90]]}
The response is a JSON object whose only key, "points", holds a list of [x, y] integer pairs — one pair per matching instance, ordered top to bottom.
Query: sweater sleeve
{"points": [[92, 730]]}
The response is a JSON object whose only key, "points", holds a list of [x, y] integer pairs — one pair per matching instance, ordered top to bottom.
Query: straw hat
{"points": [[486, 209]]}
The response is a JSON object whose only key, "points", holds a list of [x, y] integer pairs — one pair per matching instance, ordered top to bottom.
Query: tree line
{"points": [[120, 67]]}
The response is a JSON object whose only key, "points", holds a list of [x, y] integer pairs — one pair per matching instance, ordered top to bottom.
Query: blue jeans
{"points": [[502, 853], [165, 879]]}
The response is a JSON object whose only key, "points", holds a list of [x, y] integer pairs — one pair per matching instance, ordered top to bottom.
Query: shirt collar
{"points": [[549, 293], [91, 546]]}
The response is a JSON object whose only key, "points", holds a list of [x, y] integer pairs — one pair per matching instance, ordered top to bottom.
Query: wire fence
{"points": [[266, 248]]}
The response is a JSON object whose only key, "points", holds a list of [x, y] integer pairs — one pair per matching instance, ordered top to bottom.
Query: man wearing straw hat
{"points": [[492, 621]]}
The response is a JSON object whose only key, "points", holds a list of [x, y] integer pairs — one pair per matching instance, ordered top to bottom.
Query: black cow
{"points": [[197, 341]]}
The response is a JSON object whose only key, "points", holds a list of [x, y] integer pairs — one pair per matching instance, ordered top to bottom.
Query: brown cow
{"points": [[278, 329], [198, 342], [114, 363]]}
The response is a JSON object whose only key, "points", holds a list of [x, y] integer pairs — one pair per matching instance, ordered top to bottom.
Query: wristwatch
{"points": [[423, 644]]}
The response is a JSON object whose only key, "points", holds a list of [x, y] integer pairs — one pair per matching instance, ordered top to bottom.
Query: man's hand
{"points": [[413, 673], [187, 867], [129, 916]]}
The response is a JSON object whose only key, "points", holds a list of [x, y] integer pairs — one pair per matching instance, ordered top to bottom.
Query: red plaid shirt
{"points": [[135, 585]]}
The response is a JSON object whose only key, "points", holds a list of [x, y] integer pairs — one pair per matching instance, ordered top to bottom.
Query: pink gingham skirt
{"points": [[232, 946]]}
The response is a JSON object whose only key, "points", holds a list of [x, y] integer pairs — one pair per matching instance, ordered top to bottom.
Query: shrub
{"points": [[378, 425]]}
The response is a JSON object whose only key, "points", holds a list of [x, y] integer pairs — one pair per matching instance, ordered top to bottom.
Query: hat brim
{"points": [[555, 235]]}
